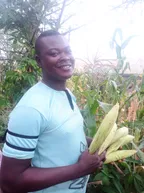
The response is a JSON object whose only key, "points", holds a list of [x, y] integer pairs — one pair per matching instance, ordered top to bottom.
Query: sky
{"points": [[102, 19]]}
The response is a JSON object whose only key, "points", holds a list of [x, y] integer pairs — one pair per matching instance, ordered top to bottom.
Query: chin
{"points": [[66, 76]]}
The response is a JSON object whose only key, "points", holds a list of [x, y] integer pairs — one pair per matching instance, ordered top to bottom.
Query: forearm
{"points": [[34, 179]]}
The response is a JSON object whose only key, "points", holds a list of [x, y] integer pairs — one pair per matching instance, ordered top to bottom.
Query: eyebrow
{"points": [[60, 49]]}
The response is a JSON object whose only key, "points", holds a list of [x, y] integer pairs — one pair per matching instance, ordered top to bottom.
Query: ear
{"points": [[38, 60]]}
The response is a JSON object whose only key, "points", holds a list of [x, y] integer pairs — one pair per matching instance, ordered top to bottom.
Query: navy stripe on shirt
{"points": [[69, 99], [22, 136], [19, 148]]}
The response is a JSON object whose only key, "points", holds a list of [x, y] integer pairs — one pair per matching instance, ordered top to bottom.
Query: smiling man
{"points": [[46, 148]]}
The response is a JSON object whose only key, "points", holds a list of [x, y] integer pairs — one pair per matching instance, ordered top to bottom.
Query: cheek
{"points": [[49, 62]]}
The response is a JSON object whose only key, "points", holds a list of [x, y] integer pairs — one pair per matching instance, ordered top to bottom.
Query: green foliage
{"points": [[23, 20], [18, 81], [96, 95], [4, 113], [120, 177]]}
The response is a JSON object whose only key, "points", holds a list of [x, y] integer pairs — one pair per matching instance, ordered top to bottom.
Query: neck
{"points": [[55, 84]]}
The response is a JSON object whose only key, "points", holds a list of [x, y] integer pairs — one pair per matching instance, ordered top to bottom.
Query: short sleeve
{"points": [[24, 128]]}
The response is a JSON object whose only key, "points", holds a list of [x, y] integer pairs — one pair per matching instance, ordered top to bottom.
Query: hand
{"points": [[89, 163]]}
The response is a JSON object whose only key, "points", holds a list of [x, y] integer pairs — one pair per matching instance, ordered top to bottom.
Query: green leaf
{"points": [[118, 31], [126, 42], [118, 52], [120, 64], [127, 66], [114, 84], [3, 102], [105, 106], [94, 107], [137, 135], [141, 146], [139, 152], [131, 160], [124, 164], [105, 170], [116, 174], [98, 177], [139, 178], [130, 179], [105, 181], [118, 186], [137, 186], [108, 189]]}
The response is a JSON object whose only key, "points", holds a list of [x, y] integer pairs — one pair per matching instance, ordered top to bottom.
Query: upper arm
{"points": [[24, 128]]}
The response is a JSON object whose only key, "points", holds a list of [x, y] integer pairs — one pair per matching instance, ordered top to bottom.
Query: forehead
{"points": [[50, 42]]}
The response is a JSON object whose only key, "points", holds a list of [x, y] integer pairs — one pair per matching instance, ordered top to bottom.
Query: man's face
{"points": [[55, 58]]}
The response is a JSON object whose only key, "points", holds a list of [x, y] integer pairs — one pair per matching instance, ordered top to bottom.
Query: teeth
{"points": [[65, 67]]}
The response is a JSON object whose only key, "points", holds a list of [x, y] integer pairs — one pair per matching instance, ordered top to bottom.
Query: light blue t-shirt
{"points": [[48, 128]]}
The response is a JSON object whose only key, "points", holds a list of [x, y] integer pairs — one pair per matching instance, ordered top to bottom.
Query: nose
{"points": [[65, 56]]}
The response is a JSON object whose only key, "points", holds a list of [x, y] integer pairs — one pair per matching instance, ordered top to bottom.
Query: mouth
{"points": [[65, 67]]}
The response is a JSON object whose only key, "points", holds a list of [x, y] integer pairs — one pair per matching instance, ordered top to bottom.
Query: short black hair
{"points": [[44, 34]]}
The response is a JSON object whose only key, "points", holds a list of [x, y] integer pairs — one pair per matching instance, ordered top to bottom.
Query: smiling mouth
{"points": [[65, 67]]}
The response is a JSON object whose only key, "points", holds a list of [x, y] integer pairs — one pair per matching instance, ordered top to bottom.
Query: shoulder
{"points": [[35, 94], [37, 97], [26, 119]]}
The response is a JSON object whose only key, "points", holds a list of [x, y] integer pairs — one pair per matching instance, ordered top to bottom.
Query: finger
{"points": [[96, 153], [103, 156], [100, 164]]}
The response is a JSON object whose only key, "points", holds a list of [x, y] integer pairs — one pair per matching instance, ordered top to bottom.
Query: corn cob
{"points": [[104, 129], [123, 131], [108, 140], [122, 141], [118, 155]]}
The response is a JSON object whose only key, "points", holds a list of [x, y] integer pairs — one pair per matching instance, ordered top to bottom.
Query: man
{"points": [[46, 148]]}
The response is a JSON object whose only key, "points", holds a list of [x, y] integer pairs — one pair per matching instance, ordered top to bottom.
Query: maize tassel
{"points": [[104, 129], [123, 131], [108, 140], [122, 141], [118, 155]]}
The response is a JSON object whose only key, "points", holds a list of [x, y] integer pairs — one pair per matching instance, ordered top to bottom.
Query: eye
{"points": [[53, 53]]}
